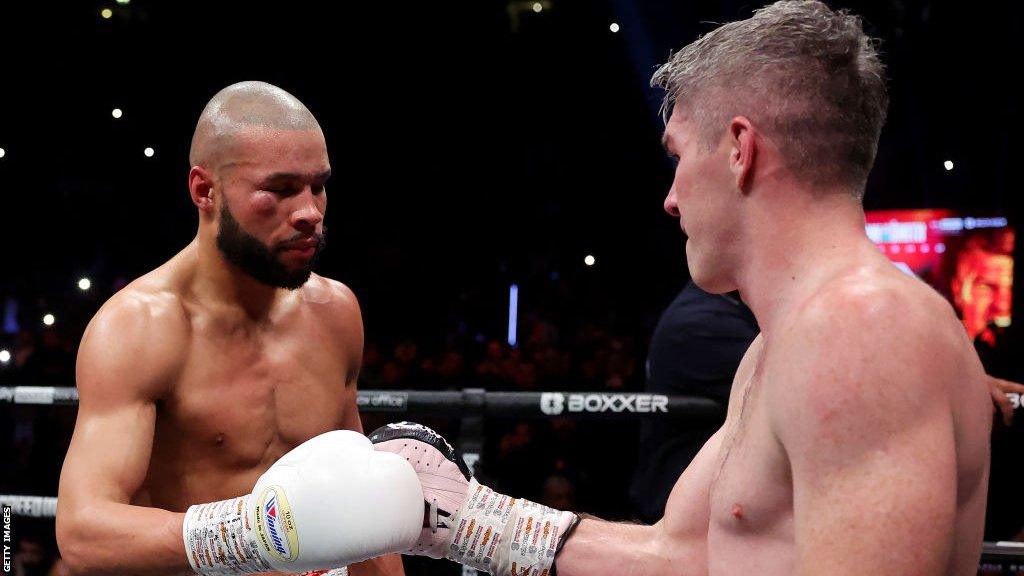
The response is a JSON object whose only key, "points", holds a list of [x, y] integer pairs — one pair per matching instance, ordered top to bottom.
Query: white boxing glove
{"points": [[329, 502], [468, 522]]}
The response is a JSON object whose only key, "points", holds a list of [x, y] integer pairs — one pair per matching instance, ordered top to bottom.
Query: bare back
{"points": [[829, 431]]}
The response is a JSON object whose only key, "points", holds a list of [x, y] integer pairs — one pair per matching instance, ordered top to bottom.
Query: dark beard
{"points": [[256, 259]]}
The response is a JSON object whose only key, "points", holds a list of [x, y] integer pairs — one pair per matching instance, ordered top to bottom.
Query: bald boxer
{"points": [[199, 376], [856, 440]]}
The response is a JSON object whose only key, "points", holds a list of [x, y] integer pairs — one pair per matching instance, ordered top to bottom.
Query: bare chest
{"points": [[242, 401], [751, 488], [751, 492]]}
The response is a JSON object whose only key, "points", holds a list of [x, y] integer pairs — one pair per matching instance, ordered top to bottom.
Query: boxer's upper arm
{"points": [[347, 322], [347, 327], [350, 329], [125, 359], [862, 411]]}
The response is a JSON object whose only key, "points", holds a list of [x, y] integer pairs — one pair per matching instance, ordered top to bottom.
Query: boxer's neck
{"points": [[795, 243], [221, 282]]}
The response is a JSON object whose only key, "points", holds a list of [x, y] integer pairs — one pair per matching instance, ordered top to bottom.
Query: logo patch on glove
{"points": [[275, 525]]}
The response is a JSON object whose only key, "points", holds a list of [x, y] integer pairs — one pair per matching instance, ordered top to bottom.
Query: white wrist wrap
{"points": [[506, 536], [218, 539]]}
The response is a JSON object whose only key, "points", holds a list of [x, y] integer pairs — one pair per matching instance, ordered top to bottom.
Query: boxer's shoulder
{"points": [[318, 284], [331, 301], [865, 302], [145, 305], [334, 307], [138, 337], [862, 345]]}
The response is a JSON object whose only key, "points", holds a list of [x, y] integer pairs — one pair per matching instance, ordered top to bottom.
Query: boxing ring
{"points": [[472, 406]]}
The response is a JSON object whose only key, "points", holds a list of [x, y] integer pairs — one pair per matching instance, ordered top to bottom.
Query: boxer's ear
{"points": [[742, 141], [200, 188]]}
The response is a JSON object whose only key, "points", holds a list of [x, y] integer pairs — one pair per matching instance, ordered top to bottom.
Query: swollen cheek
{"points": [[264, 203]]}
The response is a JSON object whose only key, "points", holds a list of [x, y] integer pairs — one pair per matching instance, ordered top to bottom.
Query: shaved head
{"points": [[241, 109]]}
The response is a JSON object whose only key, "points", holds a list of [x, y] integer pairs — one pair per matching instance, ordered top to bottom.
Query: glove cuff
{"points": [[507, 536], [217, 539]]}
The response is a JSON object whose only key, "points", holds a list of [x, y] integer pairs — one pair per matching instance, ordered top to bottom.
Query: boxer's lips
{"points": [[300, 244], [305, 248]]}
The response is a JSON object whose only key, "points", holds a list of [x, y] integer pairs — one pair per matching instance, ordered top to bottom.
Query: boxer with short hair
{"points": [[198, 381], [856, 440]]}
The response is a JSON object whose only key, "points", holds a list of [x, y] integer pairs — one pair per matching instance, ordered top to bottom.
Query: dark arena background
{"points": [[495, 205]]}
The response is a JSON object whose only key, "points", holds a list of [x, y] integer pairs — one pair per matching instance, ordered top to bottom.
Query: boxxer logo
{"points": [[552, 403]]}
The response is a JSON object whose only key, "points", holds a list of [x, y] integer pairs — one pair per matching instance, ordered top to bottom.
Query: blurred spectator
{"points": [[51, 362], [558, 492], [31, 558], [59, 568]]}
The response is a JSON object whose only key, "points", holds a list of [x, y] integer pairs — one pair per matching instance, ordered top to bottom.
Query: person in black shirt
{"points": [[694, 351]]}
